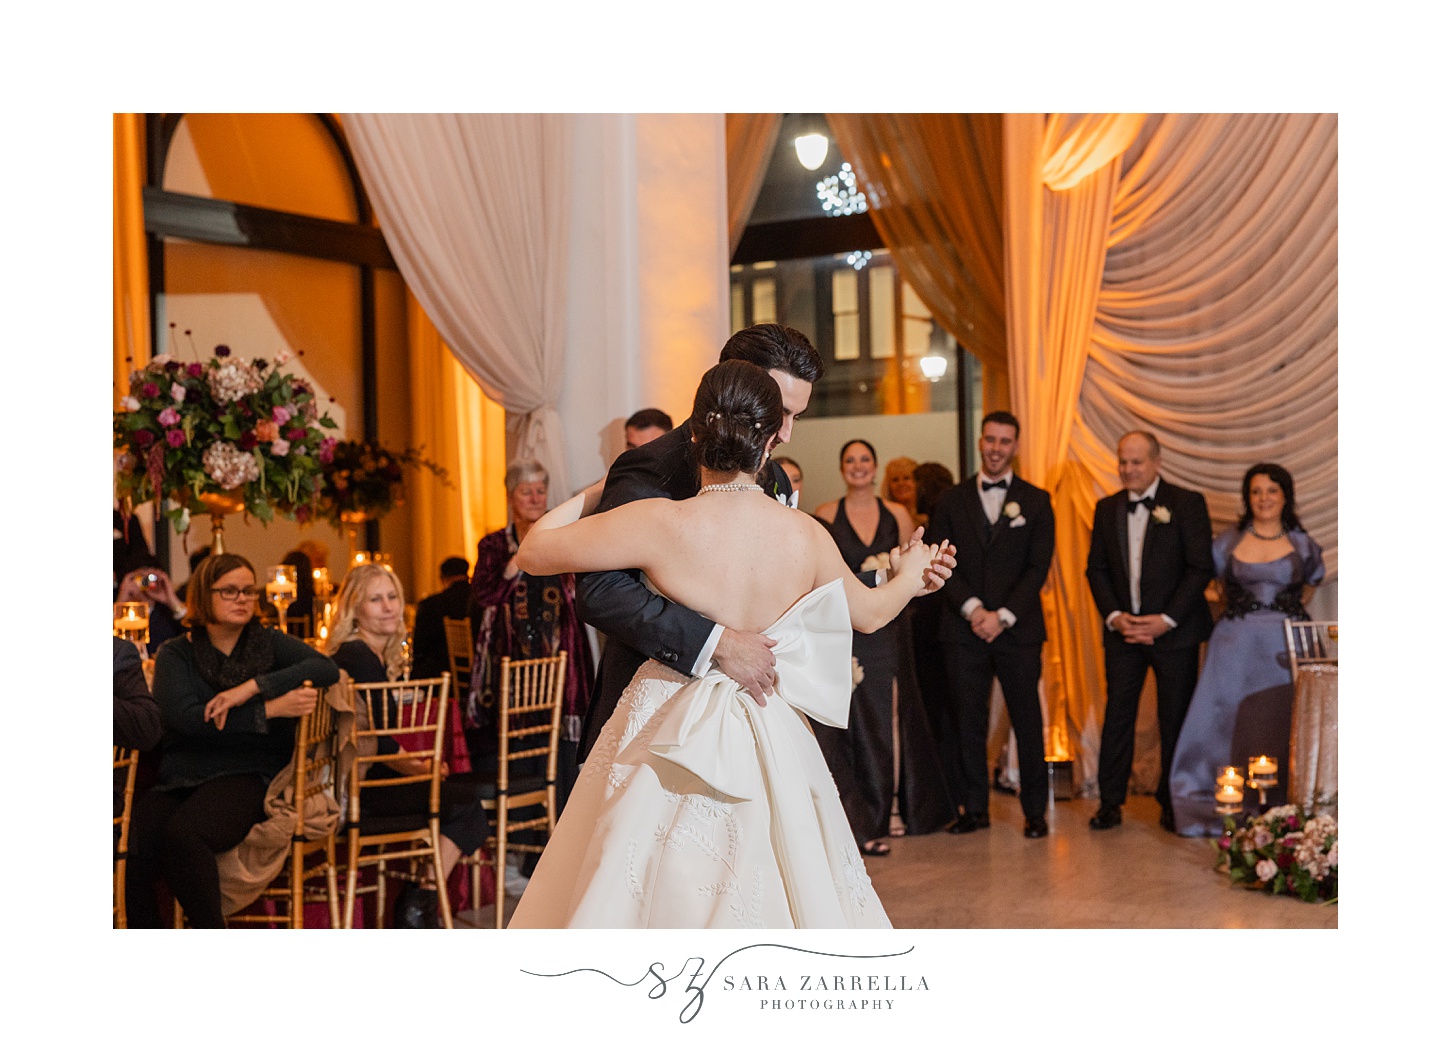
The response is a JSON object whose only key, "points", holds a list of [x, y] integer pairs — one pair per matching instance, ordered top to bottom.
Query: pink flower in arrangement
{"points": [[281, 358], [194, 369], [149, 389], [178, 392], [130, 404], [280, 415], [169, 417], [297, 434], [176, 437], [143, 438], [247, 442], [281, 447], [325, 450], [303, 513], [1292, 822], [1225, 842], [1285, 859], [1266, 870]]}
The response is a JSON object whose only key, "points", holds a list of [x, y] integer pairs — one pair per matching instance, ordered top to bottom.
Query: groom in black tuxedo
{"points": [[1003, 529], [1149, 561], [641, 624]]}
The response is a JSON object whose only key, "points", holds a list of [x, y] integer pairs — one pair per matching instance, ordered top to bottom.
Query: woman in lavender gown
{"points": [[1267, 569]]}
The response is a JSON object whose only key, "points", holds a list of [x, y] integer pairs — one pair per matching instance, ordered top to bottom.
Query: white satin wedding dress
{"points": [[699, 808]]}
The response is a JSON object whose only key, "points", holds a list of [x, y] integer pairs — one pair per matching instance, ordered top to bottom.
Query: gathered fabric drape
{"points": [[750, 140], [935, 185], [475, 208], [1055, 241], [1183, 280], [130, 300], [1217, 323], [461, 430]]}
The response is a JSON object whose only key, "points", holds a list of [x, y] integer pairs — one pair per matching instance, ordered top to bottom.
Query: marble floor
{"points": [[1134, 876]]}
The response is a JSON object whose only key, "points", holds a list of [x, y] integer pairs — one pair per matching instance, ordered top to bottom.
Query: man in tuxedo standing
{"points": [[1003, 529], [1149, 561], [641, 624]]}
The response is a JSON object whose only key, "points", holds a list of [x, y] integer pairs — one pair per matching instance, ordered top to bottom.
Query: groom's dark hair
{"points": [[771, 346]]}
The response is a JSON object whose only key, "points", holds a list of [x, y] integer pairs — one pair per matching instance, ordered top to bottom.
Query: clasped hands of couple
{"points": [[747, 657]]}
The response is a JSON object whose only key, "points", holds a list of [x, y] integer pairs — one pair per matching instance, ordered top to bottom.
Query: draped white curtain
{"points": [[475, 208], [1217, 318]]}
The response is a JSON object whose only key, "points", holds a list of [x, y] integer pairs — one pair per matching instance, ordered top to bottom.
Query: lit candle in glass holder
{"points": [[360, 557], [281, 590], [132, 621], [1263, 772], [1230, 776], [1228, 799]]}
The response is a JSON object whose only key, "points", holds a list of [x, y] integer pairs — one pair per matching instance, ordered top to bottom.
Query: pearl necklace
{"points": [[733, 487]]}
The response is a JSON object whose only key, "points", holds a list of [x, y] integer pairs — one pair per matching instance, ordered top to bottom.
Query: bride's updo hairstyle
{"points": [[737, 413]]}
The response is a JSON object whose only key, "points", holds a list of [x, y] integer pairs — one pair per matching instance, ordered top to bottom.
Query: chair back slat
{"points": [[459, 635], [1309, 642], [530, 688], [399, 709], [122, 759]]}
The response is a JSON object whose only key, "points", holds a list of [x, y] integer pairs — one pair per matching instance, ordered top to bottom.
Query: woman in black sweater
{"points": [[366, 640], [229, 692]]}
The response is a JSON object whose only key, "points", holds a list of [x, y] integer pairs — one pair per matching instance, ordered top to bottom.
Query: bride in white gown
{"points": [[699, 806]]}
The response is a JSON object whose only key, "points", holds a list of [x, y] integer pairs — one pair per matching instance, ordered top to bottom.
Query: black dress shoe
{"points": [[1106, 818], [1166, 820], [970, 823], [1035, 828], [417, 909]]}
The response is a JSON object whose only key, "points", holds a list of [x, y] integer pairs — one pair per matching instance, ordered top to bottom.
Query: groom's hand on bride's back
{"points": [[748, 660]]}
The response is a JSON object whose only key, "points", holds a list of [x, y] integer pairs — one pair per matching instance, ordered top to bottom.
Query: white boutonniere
{"points": [[788, 501], [1012, 510], [1161, 515], [1017, 522]]}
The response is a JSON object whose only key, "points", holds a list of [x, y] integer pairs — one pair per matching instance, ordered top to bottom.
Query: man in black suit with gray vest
{"points": [[1002, 527], [1149, 561]]}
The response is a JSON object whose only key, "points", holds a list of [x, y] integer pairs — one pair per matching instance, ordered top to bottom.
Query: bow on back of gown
{"points": [[713, 731]]}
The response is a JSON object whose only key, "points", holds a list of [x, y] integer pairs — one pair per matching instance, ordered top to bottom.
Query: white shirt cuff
{"points": [[881, 576], [969, 606], [1111, 616], [1007, 617], [1170, 621], [707, 652]]}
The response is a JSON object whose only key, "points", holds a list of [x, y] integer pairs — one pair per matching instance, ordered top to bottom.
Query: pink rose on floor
{"points": [[194, 369], [149, 389], [178, 392], [280, 415], [169, 417], [176, 438], [281, 447], [1266, 870]]}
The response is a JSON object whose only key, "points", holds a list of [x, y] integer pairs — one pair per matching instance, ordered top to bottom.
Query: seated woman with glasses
{"points": [[366, 640], [230, 691]]}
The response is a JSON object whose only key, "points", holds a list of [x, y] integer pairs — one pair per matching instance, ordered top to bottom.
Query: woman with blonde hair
{"points": [[899, 485], [367, 641]]}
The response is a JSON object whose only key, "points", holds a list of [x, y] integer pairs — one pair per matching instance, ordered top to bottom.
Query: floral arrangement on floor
{"points": [[232, 426], [362, 478], [1285, 850]]}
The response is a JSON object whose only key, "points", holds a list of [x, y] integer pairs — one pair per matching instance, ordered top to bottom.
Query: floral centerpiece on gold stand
{"points": [[224, 436], [363, 481], [1286, 850]]}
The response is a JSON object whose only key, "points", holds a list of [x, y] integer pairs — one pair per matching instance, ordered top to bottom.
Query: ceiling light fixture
{"points": [[811, 150]]}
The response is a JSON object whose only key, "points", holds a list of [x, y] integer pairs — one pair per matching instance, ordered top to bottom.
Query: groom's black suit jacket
{"points": [[1177, 563], [641, 624]]}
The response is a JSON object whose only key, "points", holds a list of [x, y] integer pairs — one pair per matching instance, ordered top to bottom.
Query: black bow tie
{"points": [[988, 485], [1147, 503]]}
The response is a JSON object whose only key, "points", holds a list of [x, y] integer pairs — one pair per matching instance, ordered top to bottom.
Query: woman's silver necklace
{"points": [[732, 487], [1267, 538]]}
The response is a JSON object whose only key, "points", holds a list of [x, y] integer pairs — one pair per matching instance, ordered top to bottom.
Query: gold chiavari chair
{"points": [[460, 638], [531, 698], [396, 709], [122, 760], [314, 774]]}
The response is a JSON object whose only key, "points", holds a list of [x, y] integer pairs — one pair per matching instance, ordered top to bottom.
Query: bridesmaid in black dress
{"points": [[866, 529]]}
